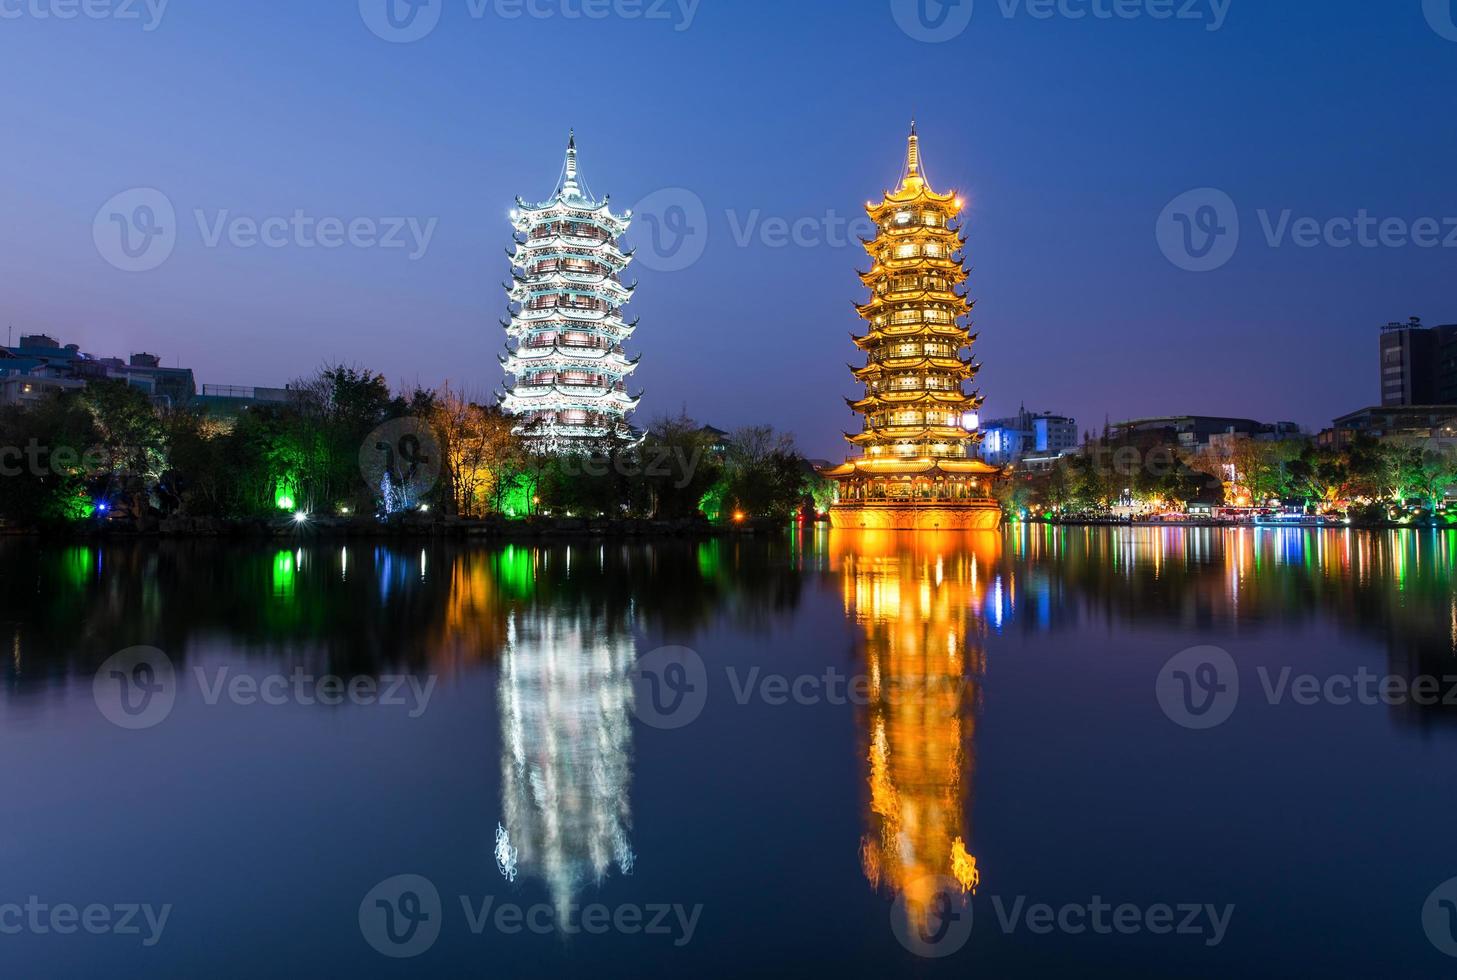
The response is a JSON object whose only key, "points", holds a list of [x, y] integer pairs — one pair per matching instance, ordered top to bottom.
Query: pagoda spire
{"points": [[913, 176], [570, 187]]}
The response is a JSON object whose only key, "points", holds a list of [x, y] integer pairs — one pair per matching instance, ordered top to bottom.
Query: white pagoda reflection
{"points": [[566, 750]]}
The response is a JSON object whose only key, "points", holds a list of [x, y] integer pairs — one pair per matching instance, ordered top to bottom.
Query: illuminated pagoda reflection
{"points": [[566, 330], [919, 466], [916, 597], [566, 743]]}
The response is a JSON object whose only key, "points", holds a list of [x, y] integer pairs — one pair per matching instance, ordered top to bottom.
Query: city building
{"points": [[41, 364], [1418, 364], [1447, 366], [567, 368], [230, 401], [1400, 422], [1195, 431], [1043, 435], [718, 442], [920, 442]]}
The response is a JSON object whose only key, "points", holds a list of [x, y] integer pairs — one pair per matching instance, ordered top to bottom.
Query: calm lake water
{"points": [[830, 752]]}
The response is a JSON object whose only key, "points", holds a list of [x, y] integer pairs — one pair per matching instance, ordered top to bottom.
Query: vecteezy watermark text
{"points": [[148, 13], [407, 21], [936, 21], [672, 227], [138, 230], [1199, 231], [671, 687], [1200, 688], [137, 689], [402, 917], [39, 918], [1102, 918], [940, 922]]}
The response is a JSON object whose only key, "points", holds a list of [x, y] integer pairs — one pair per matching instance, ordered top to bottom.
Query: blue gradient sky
{"points": [[1068, 136]]}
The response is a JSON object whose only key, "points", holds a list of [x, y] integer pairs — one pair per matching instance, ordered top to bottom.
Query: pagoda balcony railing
{"points": [[565, 229], [530, 252], [573, 269], [928, 285], [547, 304], [914, 318], [568, 342], [904, 352], [917, 384], [590, 387]]}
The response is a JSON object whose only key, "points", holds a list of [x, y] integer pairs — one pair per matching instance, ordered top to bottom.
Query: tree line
{"points": [[106, 452], [1365, 478]]}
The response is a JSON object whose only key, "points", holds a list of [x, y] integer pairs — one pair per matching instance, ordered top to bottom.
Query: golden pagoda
{"points": [[919, 467]]}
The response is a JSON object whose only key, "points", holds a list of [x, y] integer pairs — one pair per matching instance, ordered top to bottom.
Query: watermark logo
{"points": [[147, 12], [1442, 16], [401, 21], [407, 21], [933, 21], [936, 21], [136, 230], [670, 230], [1199, 230], [306, 231], [402, 461], [302, 688], [670, 688], [1199, 688], [136, 689], [401, 917], [1439, 917], [38, 918], [1204, 921], [933, 927]]}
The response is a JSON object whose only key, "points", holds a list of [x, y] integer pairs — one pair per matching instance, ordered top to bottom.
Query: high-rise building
{"points": [[566, 331], [1418, 364], [1447, 366], [1041, 434], [919, 467]]}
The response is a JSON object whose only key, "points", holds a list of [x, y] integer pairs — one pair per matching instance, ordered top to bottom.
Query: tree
{"points": [[132, 440], [48, 460], [679, 466], [1425, 473], [764, 475], [1322, 475]]}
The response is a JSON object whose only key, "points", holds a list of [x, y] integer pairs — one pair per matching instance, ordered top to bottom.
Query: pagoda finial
{"points": [[569, 181]]}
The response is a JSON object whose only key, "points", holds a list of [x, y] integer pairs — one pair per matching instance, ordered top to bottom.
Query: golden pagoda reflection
{"points": [[918, 598], [566, 749]]}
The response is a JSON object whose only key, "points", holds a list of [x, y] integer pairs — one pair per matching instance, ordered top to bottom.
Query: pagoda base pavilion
{"points": [[915, 495]]}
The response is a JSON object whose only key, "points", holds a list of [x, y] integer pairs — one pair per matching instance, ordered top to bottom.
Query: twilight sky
{"points": [[1069, 136]]}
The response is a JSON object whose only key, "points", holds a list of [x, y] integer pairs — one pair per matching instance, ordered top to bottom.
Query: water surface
{"points": [[850, 740]]}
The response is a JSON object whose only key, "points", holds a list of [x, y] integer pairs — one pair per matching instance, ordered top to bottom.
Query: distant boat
{"points": [[1290, 520]]}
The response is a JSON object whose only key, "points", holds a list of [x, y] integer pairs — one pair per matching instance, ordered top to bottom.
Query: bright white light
{"points": [[971, 421], [300, 517]]}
